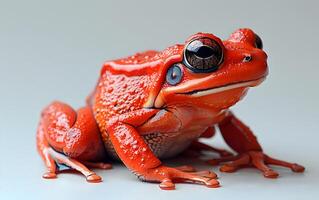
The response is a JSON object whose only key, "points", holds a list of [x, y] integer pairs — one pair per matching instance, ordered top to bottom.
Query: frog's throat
{"points": [[160, 101]]}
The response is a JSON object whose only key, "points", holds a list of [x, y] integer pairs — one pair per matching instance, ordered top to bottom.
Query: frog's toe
{"points": [[255, 159], [74, 164], [293, 166], [297, 168], [206, 173], [270, 174], [49, 175], [168, 176], [202, 177], [93, 178], [208, 179], [212, 183], [167, 184]]}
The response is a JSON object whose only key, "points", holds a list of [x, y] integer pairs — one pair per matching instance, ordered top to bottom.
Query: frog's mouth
{"points": [[213, 90], [159, 100]]}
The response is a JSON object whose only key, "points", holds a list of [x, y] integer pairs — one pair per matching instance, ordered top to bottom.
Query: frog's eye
{"points": [[258, 42], [203, 55], [174, 75]]}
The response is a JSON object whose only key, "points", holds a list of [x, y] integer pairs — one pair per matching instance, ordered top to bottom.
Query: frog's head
{"points": [[212, 72]]}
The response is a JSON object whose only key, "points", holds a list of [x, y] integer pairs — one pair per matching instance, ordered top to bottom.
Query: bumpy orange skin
{"points": [[134, 115]]}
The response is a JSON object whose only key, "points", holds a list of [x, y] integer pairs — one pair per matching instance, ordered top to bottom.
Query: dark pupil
{"points": [[204, 52], [203, 55]]}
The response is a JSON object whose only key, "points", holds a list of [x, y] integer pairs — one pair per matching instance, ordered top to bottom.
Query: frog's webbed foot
{"points": [[240, 138], [255, 159], [80, 166], [187, 173], [168, 176]]}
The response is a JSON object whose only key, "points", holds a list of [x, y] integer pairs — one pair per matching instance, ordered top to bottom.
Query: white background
{"points": [[54, 49]]}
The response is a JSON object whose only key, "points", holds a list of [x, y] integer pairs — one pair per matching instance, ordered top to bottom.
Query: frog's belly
{"points": [[163, 145]]}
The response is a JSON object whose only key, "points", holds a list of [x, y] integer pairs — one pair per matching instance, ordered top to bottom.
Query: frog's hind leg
{"points": [[72, 138], [43, 147], [198, 147]]}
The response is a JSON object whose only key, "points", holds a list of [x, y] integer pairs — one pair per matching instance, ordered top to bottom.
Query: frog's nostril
{"points": [[247, 58]]}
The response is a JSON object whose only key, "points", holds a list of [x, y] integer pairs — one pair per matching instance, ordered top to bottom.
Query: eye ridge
{"points": [[258, 42]]}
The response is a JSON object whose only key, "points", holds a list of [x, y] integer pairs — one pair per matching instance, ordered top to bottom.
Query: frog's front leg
{"points": [[239, 137], [138, 157]]}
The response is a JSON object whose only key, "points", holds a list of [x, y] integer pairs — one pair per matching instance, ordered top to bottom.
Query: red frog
{"points": [[156, 105]]}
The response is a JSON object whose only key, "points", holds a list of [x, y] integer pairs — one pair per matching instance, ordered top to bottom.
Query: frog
{"points": [[156, 105]]}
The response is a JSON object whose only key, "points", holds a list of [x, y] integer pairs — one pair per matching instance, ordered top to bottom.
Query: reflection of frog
{"points": [[157, 104]]}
